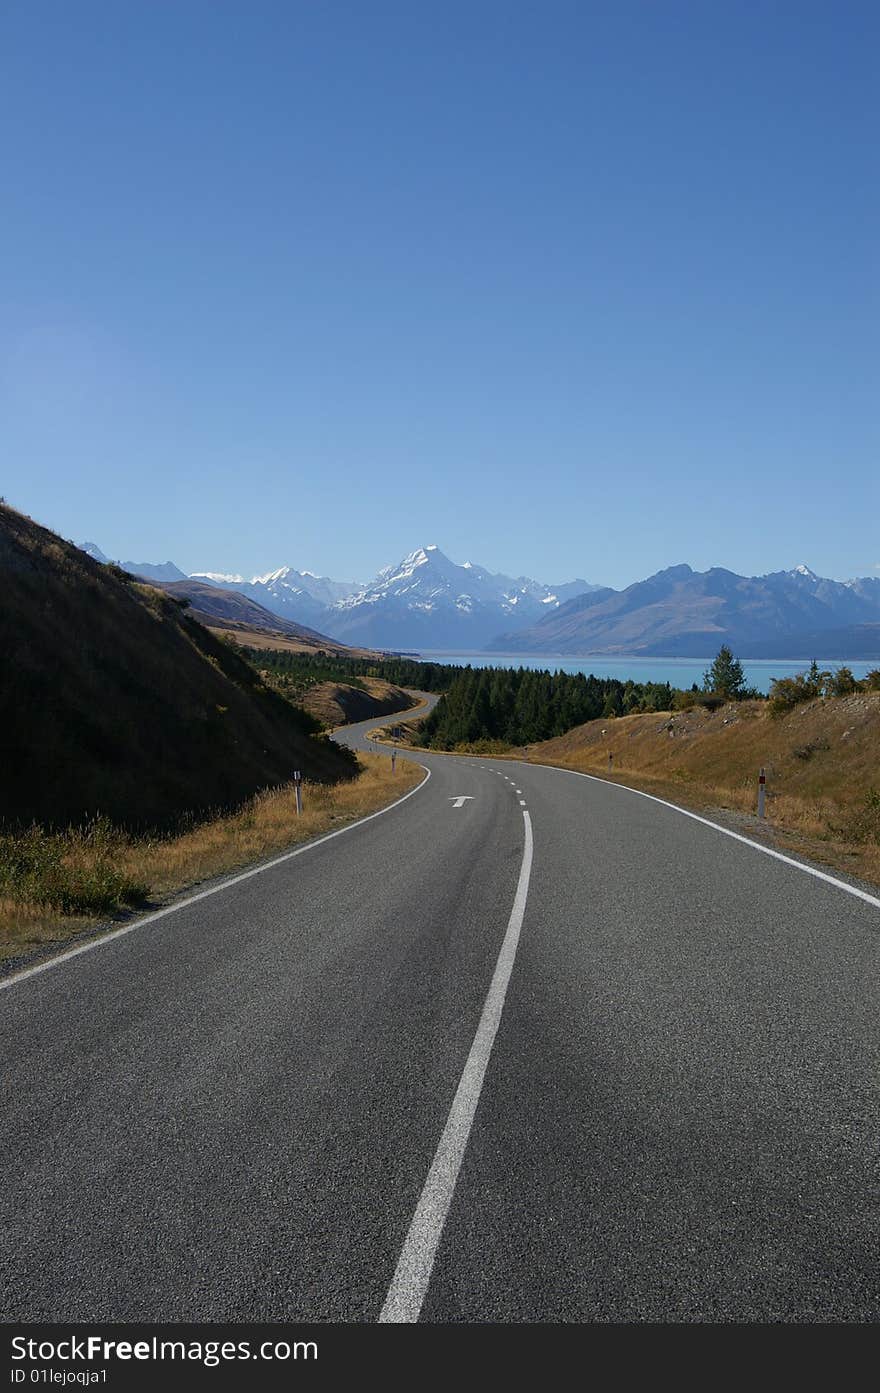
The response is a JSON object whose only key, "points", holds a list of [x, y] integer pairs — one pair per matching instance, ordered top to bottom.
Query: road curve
{"points": [[280, 1101]]}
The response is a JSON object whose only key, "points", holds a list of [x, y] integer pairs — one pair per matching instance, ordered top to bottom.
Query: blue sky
{"points": [[567, 288]]}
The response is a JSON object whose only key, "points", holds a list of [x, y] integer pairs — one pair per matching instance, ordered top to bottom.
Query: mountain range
{"points": [[149, 570], [299, 596], [428, 602], [680, 612]]}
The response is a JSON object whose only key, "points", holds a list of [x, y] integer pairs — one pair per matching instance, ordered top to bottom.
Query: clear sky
{"points": [[567, 288]]}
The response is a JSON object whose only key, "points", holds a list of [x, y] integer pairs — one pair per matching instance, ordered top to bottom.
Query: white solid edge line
{"points": [[737, 836], [204, 894], [412, 1275]]}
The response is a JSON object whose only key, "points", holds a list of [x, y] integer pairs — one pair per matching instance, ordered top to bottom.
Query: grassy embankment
{"points": [[342, 703], [821, 762], [54, 887]]}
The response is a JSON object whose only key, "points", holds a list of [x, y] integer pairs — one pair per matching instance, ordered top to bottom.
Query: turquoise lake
{"points": [[679, 672]]}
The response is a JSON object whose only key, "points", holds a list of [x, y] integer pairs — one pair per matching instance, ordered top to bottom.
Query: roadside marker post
{"points": [[393, 760], [610, 760], [762, 780], [297, 788]]}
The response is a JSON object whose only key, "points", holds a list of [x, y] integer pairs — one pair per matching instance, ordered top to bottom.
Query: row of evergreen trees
{"points": [[324, 666], [521, 706]]}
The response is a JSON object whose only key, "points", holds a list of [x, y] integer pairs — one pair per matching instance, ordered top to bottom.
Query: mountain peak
{"points": [[422, 556], [804, 571], [680, 572], [281, 573]]}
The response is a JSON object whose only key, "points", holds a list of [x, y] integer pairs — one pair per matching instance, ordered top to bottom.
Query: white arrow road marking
{"points": [[461, 799]]}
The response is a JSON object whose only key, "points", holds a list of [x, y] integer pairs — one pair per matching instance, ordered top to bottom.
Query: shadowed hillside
{"points": [[218, 608], [114, 700]]}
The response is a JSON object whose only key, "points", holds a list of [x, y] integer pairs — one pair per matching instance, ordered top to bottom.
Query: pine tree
{"points": [[725, 676]]}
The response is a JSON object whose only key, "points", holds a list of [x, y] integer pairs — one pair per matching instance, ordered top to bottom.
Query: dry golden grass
{"points": [[259, 638], [276, 640], [340, 703], [821, 763], [264, 826]]}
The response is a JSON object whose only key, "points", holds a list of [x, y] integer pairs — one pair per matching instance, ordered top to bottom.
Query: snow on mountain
{"points": [[804, 571], [218, 578], [300, 596], [425, 600], [429, 601]]}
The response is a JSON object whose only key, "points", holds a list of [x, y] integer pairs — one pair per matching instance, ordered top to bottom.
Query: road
{"points": [[525, 1047]]}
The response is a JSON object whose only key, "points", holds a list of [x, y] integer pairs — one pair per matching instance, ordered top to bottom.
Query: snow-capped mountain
{"points": [[297, 595], [424, 601], [429, 601]]}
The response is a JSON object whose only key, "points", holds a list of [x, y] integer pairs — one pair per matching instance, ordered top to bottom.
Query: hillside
{"points": [[297, 595], [229, 609], [686, 613], [114, 699], [339, 703], [823, 783]]}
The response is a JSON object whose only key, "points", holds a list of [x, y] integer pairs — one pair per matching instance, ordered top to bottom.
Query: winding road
{"points": [[526, 1046]]}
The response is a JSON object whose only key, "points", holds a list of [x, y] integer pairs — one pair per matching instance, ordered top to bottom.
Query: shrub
{"points": [[841, 683], [788, 692], [684, 701], [710, 701], [807, 751], [864, 824], [72, 872]]}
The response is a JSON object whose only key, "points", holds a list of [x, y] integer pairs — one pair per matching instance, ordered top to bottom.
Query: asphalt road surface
{"points": [[525, 1047]]}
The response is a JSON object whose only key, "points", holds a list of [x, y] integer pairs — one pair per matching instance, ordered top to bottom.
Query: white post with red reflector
{"points": [[762, 782], [298, 790]]}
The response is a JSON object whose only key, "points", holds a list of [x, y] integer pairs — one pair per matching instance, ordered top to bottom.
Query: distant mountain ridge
{"points": [[149, 570], [299, 596], [424, 601], [428, 602], [680, 612]]}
